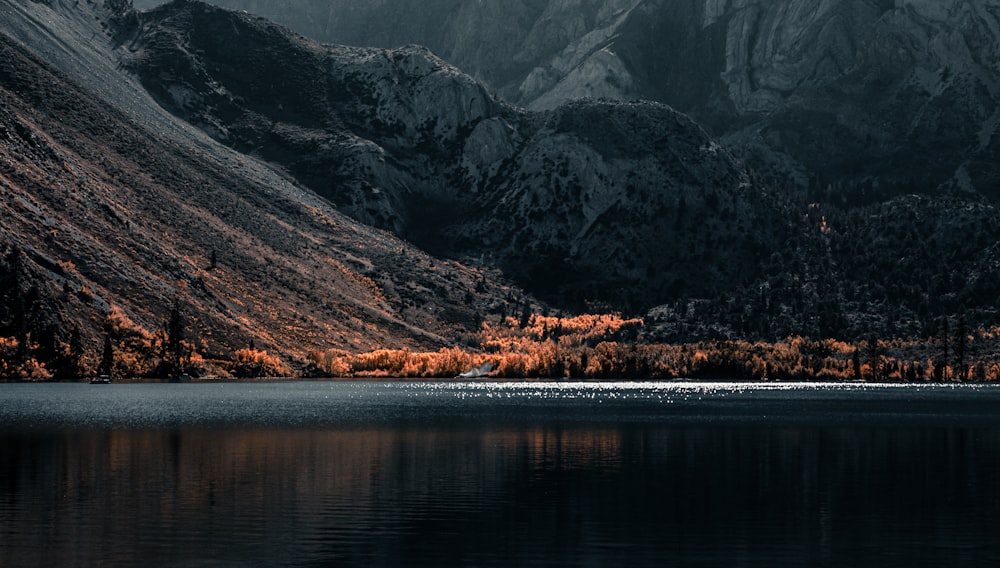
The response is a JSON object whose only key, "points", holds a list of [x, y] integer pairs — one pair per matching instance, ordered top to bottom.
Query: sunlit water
{"points": [[499, 474]]}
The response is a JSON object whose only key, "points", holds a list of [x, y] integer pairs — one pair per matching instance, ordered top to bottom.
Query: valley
{"points": [[296, 203]]}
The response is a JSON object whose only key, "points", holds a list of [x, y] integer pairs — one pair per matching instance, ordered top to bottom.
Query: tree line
{"points": [[36, 344], [605, 348]]}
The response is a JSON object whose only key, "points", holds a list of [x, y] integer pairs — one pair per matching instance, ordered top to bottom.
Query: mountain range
{"points": [[853, 95], [749, 170]]}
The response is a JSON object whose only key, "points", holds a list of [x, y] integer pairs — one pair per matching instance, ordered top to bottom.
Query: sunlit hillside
{"points": [[114, 218]]}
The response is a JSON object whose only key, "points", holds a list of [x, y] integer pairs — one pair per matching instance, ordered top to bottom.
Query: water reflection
{"points": [[541, 495]]}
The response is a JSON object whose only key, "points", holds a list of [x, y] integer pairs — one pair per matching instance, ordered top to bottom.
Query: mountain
{"points": [[502, 43], [523, 48], [852, 100], [856, 100], [197, 163], [190, 181], [595, 203], [623, 204], [116, 214]]}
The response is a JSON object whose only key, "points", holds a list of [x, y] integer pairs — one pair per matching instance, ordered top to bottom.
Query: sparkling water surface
{"points": [[144, 405], [499, 474]]}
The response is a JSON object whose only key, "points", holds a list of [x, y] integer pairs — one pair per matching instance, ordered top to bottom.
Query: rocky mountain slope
{"points": [[523, 48], [866, 98], [880, 98], [210, 162], [617, 203], [628, 204], [115, 213]]}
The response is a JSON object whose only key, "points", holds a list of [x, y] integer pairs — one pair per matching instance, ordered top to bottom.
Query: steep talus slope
{"points": [[567, 201], [100, 211]]}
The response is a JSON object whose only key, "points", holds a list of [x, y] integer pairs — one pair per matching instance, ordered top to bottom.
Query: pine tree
{"points": [[525, 316], [175, 339], [75, 351], [69, 357], [107, 357], [875, 358], [856, 364], [963, 372], [943, 373]]}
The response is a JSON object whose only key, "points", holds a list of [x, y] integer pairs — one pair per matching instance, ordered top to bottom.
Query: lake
{"points": [[499, 474]]}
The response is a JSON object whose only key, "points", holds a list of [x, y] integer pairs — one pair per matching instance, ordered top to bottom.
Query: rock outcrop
{"points": [[523, 48], [857, 96], [864, 98], [632, 199], [610, 202]]}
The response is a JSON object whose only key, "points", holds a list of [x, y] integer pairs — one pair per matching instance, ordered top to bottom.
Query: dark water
{"points": [[516, 474]]}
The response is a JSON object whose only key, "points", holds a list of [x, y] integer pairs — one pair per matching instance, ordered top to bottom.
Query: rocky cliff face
{"points": [[522, 48], [862, 97], [857, 100], [343, 120], [631, 199], [611, 202]]}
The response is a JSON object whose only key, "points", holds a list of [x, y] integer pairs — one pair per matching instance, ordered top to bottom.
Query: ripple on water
{"points": [[293, 404]]}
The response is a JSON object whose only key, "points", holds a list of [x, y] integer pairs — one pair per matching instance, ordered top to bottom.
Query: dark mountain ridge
{"points": [[849, 99], [569, 201], [630, 204], [120, 211]]}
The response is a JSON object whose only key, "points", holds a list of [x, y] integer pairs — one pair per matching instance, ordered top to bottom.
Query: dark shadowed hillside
{"points": [[523, 48], [865, 98], [622, 203], [627, 204]]}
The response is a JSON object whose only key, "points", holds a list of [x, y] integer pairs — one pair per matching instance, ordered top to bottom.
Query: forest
{"points": [[531, 346], [607, 347]]}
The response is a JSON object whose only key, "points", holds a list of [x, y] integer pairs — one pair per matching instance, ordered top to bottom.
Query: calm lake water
{"points": [[498, 474]]}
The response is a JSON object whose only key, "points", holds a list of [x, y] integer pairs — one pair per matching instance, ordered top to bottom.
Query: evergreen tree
{"points": [[10, 292], [525, 316], [175, 339], [75, 352], [107, 357], [875, 358], [68, 362], [963, 372], [942, 374]]}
